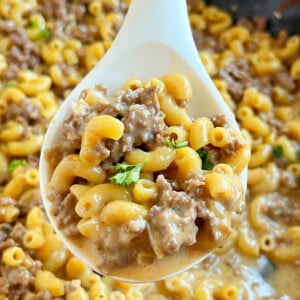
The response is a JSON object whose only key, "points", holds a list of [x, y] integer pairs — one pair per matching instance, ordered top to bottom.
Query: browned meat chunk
{"points": [[172, 221]]}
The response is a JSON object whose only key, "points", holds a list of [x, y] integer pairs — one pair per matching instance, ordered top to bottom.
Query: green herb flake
{"points": [[34, 23], [44, 33], [9, 84], [176, 145], [277, 151], [203, 154], [16, 163], [206, 164], [126, 174], [298, 180]]}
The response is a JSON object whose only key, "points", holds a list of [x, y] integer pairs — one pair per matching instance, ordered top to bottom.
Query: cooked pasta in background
{"points": [[46, 47], [136, 180]]}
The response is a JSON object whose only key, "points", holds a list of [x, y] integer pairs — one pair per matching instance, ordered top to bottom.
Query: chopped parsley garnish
{"points": [[34, 23], [44, 33], [9, 84], [175, 145], [277, 151], [203, 154], [16, 163], [206, 163], [126, 174]]}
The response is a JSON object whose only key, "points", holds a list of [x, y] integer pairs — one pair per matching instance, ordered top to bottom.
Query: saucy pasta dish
{"points": [[46, 48], [136, 179]]}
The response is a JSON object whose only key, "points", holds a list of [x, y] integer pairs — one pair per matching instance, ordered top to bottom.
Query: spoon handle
{"points": [[159, 21]]}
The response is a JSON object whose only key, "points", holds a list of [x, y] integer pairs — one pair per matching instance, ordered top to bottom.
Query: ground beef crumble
{"points": [[54, 9], [22, 52], [238, 78], [284, 80], [25, 112], [219, 120], [143, 121], [174, 210], [279, 212], [65, 213], [174, 220], [17, 233], [19, 281]]}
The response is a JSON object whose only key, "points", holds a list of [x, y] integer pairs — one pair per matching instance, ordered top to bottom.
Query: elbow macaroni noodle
{"points": [[269, 119]]}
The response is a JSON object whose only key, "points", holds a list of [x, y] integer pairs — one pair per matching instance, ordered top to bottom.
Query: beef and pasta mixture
{"points": [[46, 47], [136, 179]]}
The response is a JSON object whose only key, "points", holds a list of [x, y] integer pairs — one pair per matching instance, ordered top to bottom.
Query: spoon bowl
{"points": [[155, 39]]}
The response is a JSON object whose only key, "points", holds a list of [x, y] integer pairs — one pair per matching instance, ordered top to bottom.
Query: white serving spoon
{"points": [[155, 39]]}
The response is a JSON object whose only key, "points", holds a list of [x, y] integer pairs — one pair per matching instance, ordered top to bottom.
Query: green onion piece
{"points": [[33, 23], [44, 33], [9, 84], [176, 145], [277, 151], [203, 154], [16, 163], [206, 164]]}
